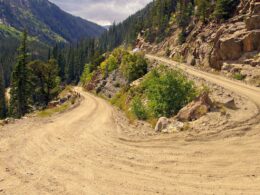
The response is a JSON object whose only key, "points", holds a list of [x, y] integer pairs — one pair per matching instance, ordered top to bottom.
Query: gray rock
{"points": [[229, 103], [161, 124], [174, 126]]}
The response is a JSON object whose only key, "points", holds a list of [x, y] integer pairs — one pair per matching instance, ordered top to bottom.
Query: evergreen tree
{"points": [[203, 9], [224, 9], [55, 52], [49, 54], [61, 63], [70, 66], [45, 81], [20, 87], [2, 95]]}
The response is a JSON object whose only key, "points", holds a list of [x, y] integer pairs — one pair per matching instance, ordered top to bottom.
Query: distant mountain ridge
{"points": [[46, 21]]}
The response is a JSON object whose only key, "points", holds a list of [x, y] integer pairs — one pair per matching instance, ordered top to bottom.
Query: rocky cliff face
{"points": [[232, 47]]}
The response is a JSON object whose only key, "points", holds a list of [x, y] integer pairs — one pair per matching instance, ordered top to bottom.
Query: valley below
{"points": [[93, 149]]}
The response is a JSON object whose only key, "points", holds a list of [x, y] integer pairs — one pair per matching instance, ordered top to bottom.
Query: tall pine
{"points": [[203, 9], [224, 9], [20, 87], [2, 95]]}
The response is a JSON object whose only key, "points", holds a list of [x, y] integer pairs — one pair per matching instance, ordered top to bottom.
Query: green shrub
{"points": [[109, 65], [133, 67], [87, 75], [239, 76], [168, 91], [138, 109]]}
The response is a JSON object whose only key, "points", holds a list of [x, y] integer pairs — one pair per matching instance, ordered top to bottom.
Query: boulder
{"points": [[256, 9], [253, 22], [251, 41], [230, 48], [227, 67], [229, 103], [53, 104], [196, 109], [8, 121], [162, 123], [174, 126]]}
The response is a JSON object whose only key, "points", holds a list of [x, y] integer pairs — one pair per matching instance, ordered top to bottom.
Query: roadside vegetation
{"points": [[131, 66], [33, 84], [162, 92], [146, 95], [61, 106]]}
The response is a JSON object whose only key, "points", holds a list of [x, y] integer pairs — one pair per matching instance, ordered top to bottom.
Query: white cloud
{"points": [[103, 12]]}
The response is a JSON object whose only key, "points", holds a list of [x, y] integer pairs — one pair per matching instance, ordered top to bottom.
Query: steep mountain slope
{"points": [[155, 16], [46, 21], [219, 34], [230, 45]]}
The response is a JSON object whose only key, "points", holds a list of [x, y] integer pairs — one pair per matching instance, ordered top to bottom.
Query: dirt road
{"points": [[240, 88], [84, 151]]}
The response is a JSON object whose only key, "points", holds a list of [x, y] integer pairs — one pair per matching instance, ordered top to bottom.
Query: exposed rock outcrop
{"points": [[235, 41], [196, 109], [162, 123], [166, 125]]}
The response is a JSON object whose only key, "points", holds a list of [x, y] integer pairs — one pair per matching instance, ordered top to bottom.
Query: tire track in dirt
{"points": [[83, 152]]}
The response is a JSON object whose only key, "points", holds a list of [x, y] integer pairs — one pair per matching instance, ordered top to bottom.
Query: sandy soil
{"points": [[88, 151]]}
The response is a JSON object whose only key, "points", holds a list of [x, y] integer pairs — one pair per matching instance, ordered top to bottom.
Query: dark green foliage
{"points": [[224, 9], [203, 10], [184, 12], [155, 17], [182, 37], [8, 54], [72, 59], [109, 65], [61, 66], [133, 67], [87, 75], [239, 76], [45, 81], [20, 85], [167, 91], [3, 109], [138, 109]]}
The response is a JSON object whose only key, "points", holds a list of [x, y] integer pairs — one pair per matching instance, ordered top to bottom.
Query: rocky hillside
{"points": [[45, 21], [231, 46]]}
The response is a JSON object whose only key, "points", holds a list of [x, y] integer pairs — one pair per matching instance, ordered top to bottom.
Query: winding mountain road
{"points": [[240, 88], [85, 151]]}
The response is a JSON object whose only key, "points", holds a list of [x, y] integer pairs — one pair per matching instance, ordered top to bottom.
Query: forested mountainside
{"points": [[155, 15], [46, 21], [158, 21], [46, 25], [219, 34]]}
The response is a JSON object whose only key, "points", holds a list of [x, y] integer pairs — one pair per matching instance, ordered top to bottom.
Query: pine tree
{"points": [[203, 9], [224, 9], [55, 52], [49, 54], [61, 64], [70, 66], [20, 87], [3, 109]]}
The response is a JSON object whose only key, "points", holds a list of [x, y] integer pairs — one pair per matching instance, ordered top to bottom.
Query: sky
{"points": [[103, 12]]}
